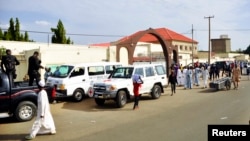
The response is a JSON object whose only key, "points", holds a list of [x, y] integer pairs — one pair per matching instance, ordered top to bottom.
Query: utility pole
{"points": [[209, 38], [192, 45]]}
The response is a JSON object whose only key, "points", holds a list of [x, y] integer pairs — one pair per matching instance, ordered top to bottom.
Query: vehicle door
{"points": [[140, 71], [95, 73], [161, 74], [149, 78], [76, 79], [4, 96]]}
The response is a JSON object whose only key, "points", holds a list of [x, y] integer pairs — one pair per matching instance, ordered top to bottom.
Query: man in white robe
{"points": [[205, 75], [179, 77], [184, 77], [44, 123]]}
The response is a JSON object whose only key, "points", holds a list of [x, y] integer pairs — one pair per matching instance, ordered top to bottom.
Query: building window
{"points": [[181, 47], [185, 47], [190, 48], [180, 57]]}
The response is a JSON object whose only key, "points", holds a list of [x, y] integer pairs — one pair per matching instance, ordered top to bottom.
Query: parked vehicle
{"points": [[73, 80], [120, 86], [19, 101]]}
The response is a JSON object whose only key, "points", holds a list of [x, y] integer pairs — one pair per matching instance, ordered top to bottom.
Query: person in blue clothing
{"points": [[57, 72], [47, 73], [196, 76], [189, 77]]}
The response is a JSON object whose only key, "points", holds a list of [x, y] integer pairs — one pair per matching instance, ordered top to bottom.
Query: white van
{"points": [[73, 80]]}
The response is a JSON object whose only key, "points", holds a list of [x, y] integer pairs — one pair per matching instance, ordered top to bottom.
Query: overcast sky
{"points": [[118, 18]]}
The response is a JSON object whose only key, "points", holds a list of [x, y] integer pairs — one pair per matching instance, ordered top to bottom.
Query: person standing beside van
{"points": [[33, 68], [47, 73], [137, 83]]}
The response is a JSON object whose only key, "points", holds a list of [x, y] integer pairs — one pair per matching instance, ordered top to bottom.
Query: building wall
{"points": [[222, 45], [185, 47], [53, 54]]}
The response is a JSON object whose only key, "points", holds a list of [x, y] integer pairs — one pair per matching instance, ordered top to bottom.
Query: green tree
{"points": [[11, 30], [17, 30], [13, 33], [1, 34], [60, 34], [26, 36], [239, 50], [2, 51], [247, 51]]}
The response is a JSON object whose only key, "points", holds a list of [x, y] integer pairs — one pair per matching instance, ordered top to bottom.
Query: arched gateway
{"points": [[130, 43]]}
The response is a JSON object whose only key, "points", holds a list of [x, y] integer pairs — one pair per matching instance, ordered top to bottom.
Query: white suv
{"points": [[119, 86]]}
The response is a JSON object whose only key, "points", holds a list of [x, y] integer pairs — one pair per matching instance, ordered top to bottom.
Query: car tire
{"points": [[228, 85], [156, 92], [78, 95], [121, 99], [99, 102], [25, 111]]}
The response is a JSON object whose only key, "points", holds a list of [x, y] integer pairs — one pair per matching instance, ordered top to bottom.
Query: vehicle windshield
{"points": [[62, 71], [122, 73]]}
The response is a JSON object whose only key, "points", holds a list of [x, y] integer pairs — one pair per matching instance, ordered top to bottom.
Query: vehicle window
{"points": [[110, 68], [96, 70], [160, 70], [62, 71], [139, 71], [149, 71], [77, 72], [123, 73]]}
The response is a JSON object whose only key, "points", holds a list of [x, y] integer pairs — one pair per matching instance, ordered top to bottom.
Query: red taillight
{"points": [[53, 95]]}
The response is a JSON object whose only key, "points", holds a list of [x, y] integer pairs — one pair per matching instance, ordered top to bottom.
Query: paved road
{"points": [[182, 117]]}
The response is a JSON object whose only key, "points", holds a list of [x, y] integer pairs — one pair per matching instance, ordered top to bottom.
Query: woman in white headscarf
{"points": [[44, 123]]}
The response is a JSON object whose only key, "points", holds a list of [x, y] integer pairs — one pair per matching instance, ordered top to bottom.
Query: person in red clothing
{"points": [[172, 79], [137, 83]]}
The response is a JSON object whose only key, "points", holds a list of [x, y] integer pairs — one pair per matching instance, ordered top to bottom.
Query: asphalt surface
{"points": [[181, 117]]}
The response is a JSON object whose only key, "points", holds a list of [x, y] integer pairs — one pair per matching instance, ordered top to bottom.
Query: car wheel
{"points": [[228, 85], [156, 92], [78, 95], [121, 99], [99, 102], [25, 111]]}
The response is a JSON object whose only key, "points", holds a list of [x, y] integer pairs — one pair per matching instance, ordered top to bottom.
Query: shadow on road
{"points": [[89, 105], [8, 120], [16, 137]]}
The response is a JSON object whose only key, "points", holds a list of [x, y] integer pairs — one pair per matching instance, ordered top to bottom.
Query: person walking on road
{"points": [[33, 68], [205, 75], [196, 76], [236, 76], [189, 77], [173, 81], [137, 83], [44, 123]]}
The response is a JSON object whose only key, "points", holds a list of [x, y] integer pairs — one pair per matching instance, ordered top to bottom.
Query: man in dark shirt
{"points": [[8, 64], [33, 68]]}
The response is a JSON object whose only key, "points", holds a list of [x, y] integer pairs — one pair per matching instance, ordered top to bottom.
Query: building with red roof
{"points": [[186, 46]]}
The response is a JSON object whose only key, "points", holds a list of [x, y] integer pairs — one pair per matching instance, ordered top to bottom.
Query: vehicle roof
{"points": [[93, 64], [140, 65]]}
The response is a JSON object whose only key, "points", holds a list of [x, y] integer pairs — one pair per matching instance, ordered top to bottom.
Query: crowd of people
{"points": [[201, 73]]}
